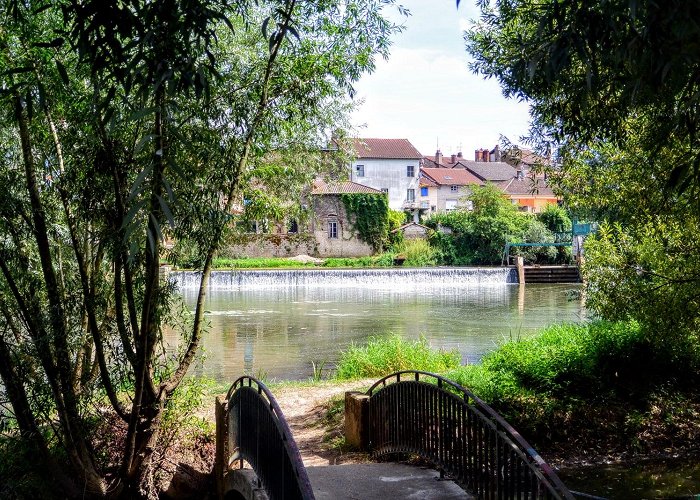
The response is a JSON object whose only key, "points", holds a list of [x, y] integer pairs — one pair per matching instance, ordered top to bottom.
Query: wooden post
{"points": [[520, 263], [357, 420]]}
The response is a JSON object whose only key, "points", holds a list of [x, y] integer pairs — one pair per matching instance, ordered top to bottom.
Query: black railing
{"points": [[427, 415], [259, 435]]}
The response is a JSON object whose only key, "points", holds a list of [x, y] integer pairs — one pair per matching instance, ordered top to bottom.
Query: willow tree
{"points": [[123, 123]]}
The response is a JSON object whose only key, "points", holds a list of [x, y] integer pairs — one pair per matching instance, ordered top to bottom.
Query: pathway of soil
{"points": [[304, 409]]}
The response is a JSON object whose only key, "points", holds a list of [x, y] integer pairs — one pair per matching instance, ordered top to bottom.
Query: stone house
{"points": [[331, 225]]}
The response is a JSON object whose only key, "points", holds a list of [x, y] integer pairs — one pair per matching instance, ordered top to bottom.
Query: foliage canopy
{"points": [[126, 124]]}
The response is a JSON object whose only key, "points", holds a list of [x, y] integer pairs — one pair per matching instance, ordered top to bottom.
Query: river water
{"points": [[270, 325]]}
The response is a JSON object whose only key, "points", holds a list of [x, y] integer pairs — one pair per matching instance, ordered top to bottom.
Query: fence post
{"points": [[520, 263], [357, 420], [222, 454]]}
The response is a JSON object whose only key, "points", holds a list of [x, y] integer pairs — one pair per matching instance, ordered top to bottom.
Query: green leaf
{"points": [[62, 71], [141, 113], [143, 141], [166, 211]]}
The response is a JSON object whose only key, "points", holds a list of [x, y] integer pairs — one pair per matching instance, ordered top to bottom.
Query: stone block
{"points": [[357, 420]]}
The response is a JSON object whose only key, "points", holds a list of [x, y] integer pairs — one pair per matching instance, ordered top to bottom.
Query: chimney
{"points": [[459, 154], [477, 155], [485, 155], [438, 157], [454, 159]]}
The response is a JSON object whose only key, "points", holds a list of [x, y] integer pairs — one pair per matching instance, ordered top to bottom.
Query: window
{"points": [[360, 170], [410, 170], [454, 188], [424, 191], [410, 195], [450, 204], [333, 229]]}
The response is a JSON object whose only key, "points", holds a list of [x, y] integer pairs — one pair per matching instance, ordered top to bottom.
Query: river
{"points": [[273, 327]]}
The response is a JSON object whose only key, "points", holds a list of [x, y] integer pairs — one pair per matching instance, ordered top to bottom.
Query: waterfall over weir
{"points": [[374, 278]]}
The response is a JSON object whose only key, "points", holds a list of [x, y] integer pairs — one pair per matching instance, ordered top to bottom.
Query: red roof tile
{"points": [[385, 148], [450, 176], [344, 187]]}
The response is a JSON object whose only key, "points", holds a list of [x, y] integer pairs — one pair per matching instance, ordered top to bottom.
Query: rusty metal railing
{"points": [[427, 415], [259, 434]]}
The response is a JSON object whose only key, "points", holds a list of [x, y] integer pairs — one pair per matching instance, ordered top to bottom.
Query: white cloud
{"points": [[429, 95]]}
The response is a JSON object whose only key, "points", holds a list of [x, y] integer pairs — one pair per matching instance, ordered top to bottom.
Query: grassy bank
{"points": [[601, 388]]}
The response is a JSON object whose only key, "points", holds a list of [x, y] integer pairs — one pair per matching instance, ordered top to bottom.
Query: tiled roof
{"points": [[385, 148], [525, 156], [490, 170], [450, 176], [426, 181], [528, 186], [343, 187]]}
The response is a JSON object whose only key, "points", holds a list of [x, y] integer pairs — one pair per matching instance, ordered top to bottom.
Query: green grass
{"points": [[382, 260], [259, 263], [382, 356]]}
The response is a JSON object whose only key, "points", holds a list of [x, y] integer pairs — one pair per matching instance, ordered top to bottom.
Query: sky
{"points": [[426, 93]]}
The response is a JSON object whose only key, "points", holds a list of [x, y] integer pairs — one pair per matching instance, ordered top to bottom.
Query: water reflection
{"points": [[280, 331], [679, 478]]}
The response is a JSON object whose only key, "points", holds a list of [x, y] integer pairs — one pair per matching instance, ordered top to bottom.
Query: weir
{"points": [[377, 278]]}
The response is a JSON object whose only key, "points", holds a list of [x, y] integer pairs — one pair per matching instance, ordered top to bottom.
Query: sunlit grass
{"points": [[382, 356]]}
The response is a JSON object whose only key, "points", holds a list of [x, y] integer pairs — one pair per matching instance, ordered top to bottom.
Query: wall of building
{"points": [[389, 174], [440, 195], [313, 239], [347, 244]]}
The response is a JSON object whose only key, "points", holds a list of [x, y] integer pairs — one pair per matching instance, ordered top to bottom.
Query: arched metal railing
{"points": [[427, 415], [259, 435]]}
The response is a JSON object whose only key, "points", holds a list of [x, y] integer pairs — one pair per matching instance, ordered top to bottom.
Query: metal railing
{"points": [[429, 416], [259, 435]]}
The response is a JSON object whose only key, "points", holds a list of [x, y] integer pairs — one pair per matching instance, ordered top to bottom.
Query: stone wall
{"points": [[272, 245]]}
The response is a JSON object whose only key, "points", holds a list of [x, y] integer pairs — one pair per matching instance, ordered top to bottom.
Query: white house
{"points": [[390, 165]]}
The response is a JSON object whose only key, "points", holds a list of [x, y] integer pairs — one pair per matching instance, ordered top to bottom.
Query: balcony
{"points": [[416, 205]]}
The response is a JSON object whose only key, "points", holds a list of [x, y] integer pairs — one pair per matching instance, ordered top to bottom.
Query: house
{"points": [[389, 165], [527, 188], [444, 189], [530, 192], [331, 225], [413, 231]]}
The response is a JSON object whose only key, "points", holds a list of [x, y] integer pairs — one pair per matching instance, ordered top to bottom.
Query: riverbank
{"points": [[609, 465]]}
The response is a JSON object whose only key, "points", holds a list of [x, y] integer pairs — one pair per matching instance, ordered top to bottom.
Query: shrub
{"points": [[418, 253]]}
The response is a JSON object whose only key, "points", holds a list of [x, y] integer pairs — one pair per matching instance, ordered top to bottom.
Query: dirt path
{"points": [[305, 411]]}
